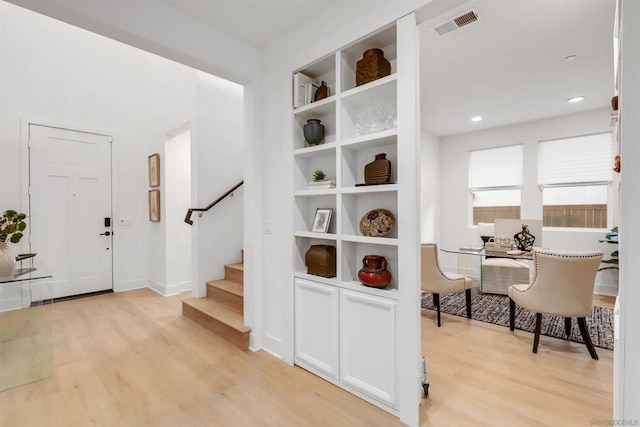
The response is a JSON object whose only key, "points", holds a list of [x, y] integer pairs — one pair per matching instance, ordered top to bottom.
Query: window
{"points": [[574, 176], [495, 183]]}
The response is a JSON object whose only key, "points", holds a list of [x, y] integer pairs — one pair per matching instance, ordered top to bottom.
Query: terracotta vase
{"points": [[372, 66], [322, 92], [313, 132], [378, 171], [7, 261], [374, 271]]}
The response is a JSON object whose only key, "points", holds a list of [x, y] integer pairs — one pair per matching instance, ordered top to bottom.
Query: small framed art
{"points": [[154, 170], [154, 205], [321, 220]]}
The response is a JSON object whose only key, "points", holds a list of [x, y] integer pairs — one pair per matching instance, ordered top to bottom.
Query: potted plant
{"points": [[319, 180], [12, 225], [612, 238]]}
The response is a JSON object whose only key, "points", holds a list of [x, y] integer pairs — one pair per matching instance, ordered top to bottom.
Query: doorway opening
{"points": [[177, 202]]}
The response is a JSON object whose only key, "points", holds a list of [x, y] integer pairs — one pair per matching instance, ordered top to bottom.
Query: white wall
{"points": [[217, 161], [429, 188], [177, 202], [455, 230]]}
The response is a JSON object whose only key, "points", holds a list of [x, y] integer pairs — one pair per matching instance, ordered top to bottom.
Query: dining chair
{"points": [[435, 281], [562, 285]]}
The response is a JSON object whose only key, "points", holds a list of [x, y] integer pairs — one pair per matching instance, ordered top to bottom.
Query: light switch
{"points": [[125, 221], [267, 227]]}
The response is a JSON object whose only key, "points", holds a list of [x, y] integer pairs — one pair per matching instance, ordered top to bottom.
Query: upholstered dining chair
{"points": [[435, 281], [562, 284]]}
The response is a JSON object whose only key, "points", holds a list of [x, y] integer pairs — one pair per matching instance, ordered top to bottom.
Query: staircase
{"points": [[222, 310]]}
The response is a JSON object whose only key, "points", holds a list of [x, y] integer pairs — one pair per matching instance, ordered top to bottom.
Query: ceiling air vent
{"points": [[457, 22]]}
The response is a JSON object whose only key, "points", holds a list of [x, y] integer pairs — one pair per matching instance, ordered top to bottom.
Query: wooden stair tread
{"points": [[238, 266], [228, 286], [220, 312]]}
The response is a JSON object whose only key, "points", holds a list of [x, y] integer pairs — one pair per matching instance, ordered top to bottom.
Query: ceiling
{"points": [[508, 67]]}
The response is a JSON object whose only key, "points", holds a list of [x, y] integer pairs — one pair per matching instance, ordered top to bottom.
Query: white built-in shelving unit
{"points": [[348, 333]]}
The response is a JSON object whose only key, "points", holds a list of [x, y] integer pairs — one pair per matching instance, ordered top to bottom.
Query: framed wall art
{"points": [[154, 170], [154, 205]]}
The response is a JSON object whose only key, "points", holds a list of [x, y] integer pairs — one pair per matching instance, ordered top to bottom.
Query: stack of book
{"points": [[304, 89], [317, 185]]}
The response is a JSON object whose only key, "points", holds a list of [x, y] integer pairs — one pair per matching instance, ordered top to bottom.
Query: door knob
{"points": [[106, 233]]}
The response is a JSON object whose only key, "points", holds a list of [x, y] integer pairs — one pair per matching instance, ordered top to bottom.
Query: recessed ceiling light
{"points": [[571, 58], [575, 99], [476, 119]]}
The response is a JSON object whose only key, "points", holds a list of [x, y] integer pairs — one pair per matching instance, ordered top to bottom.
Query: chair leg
{"points": [[468, 295], [436, 302], [512, 314], [582, 323], [567, 326], [536, 338]]}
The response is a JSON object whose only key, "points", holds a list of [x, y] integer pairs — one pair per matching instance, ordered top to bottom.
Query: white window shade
{"points": [[575, 160], [496, 167]]}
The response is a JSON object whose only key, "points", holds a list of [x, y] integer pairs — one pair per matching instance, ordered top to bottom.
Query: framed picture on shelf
{"points": [[154, 170], [154, 205], [321, 220]]}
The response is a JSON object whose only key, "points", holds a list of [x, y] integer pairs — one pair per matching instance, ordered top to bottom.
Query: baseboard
{"points": [[130, 285], [177, 288], [606, 289], [10, 304], [255, 343], [272, 345]]}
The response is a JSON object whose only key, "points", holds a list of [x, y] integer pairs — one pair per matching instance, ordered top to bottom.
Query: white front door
{"points": [[70, 208]]}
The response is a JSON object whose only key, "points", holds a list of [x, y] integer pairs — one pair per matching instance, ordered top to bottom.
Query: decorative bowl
{"points": [[377, 223]]}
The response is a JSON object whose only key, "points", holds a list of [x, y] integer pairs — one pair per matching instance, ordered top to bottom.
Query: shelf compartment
{"points": [[384, 39], [324, 69], [376, 106], [327, 117], [379, 139], [315, 150], [355, 157], [306, 165], [382, 188], [314, 193], [355, 206], [305, 211], [314, 235], [390, 241], [302, 246], [351, 262], [332, 281], [387, 292]]}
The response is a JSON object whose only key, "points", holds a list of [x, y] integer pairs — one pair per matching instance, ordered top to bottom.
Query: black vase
{"points": [[313, 132]]}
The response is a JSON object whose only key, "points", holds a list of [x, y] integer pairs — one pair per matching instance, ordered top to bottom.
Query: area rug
{"points": [[494, 309]]}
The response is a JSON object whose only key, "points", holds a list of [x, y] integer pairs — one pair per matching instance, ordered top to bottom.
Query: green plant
{"points": [[318, 175], [11, 226], [612, 238]]}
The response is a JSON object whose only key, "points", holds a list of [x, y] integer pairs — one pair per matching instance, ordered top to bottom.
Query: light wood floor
{"points": [[131, 359], [483, 374]]}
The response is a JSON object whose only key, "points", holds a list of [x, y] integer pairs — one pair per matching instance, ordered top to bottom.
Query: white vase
{"points": [[7, 261]]}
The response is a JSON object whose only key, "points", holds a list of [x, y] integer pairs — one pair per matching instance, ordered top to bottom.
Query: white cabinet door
{"points": [[316, 327], [368, 345]]}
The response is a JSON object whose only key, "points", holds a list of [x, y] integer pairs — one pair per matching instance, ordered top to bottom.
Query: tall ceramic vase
{"points": [[313, 132], [7, 261]]}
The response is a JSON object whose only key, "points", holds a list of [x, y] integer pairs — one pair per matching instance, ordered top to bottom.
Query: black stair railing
{"points": [[188, 219]]}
